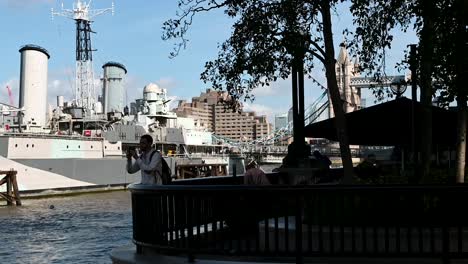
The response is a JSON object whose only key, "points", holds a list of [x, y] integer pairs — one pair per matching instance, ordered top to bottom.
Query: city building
{"points": [[211, 115], [281, 121]]}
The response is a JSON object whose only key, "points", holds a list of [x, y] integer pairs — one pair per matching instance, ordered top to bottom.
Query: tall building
{"points": [[212, 116], [281, 121]]}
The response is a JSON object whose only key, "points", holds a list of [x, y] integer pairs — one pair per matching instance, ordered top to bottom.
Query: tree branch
{"points": [[322, 52]]}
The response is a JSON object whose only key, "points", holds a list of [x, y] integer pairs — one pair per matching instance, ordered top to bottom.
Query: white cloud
{"points": [[167, 82], [134, 86], [58, 87], [280, 87], [264, 91], [257, 108]]}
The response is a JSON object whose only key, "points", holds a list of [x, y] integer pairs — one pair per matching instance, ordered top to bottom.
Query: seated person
{"points": [[254, 175]]}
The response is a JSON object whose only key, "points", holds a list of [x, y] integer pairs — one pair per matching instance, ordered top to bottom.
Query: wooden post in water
{"points": [[12, 191]]}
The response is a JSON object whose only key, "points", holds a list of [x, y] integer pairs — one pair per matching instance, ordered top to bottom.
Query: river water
{"points": [[79, 229]]}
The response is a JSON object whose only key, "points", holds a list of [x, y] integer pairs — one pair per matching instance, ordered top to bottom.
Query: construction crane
{"points": [[10, 96], [11, 101]]}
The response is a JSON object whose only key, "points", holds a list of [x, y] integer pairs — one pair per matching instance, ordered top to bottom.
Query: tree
{"points": [[460, 10], [434, 24], [270, 40]]}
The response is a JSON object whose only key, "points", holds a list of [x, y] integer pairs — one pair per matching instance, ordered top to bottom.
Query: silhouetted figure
{"points": [[297, 155], [324, 161], [368, 169], [254, 175], [244, 221]]}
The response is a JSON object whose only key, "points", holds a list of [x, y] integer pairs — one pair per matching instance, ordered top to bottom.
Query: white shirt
{"points": [[148, 167]]}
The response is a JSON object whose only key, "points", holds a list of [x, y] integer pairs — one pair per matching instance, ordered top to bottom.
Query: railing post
{"points": [[234, 170], [447, 202], [299, 208], [445, 245], [139, 249]]}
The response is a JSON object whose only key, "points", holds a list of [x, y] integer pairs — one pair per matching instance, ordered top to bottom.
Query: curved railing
{"points": [[302, 221]]}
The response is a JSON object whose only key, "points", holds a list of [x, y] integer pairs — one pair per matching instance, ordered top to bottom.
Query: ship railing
{"points": [[46, 135], [198, 155], [203, 155], [295, 223]]}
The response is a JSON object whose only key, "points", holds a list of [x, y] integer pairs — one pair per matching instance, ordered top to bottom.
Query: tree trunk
{"points": [[426, 53], [460, 82], [340, 121], [461, 139]]}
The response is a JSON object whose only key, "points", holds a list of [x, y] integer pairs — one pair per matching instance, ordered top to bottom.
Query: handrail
{"points": [[45, 135], [302, 221]]}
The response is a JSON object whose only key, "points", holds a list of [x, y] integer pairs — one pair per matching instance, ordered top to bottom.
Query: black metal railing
{"points": [[302, 221]]}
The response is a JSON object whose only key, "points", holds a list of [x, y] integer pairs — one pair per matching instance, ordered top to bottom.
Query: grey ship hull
{"points": [[45, 162], [103, 171]]}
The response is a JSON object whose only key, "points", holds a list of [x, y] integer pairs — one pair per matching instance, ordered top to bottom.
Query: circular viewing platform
{"points": [[220, 219]]}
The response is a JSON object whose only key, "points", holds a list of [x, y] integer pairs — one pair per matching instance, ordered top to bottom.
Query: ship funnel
{"points": [[33, 85], [113, 89]]}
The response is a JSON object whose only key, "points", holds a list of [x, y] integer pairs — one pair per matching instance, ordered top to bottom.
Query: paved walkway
{"points": [[127, 255]]}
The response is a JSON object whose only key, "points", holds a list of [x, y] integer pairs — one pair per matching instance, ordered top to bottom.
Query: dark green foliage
{"points": [[378, 23], [266, 35]]}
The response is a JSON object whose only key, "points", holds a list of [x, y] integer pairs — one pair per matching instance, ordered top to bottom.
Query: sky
{"points": [[132, 36]]}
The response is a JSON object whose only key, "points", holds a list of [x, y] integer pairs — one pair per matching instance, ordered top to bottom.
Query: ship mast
{"points": [[85, 92]]}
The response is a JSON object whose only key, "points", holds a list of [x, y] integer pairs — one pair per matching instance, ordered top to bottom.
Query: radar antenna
{"points": [[85, 93]]}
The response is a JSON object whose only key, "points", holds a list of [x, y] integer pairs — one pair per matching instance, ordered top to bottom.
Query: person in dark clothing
{"points": [[324, 161], [368, 169]]}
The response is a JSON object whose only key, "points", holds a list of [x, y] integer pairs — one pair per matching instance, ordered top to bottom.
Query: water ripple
{"points": [[80, 229]]}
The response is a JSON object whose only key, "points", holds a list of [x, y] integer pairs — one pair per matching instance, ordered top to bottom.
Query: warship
{"points": [[82, 142]]}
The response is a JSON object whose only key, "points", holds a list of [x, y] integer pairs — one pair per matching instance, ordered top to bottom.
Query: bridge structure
{"points": [[350, 85], [316, 111]]}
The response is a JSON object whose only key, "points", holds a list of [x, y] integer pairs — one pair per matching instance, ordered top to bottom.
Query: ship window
{"points": [[16, 145], [27, 145], [32, 145], [67, 146], [78, 146], [91, 146], [105, 147], [118, 148]]}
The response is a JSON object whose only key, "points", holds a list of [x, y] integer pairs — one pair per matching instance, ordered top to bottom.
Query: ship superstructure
{"points": [[82, 141]]}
